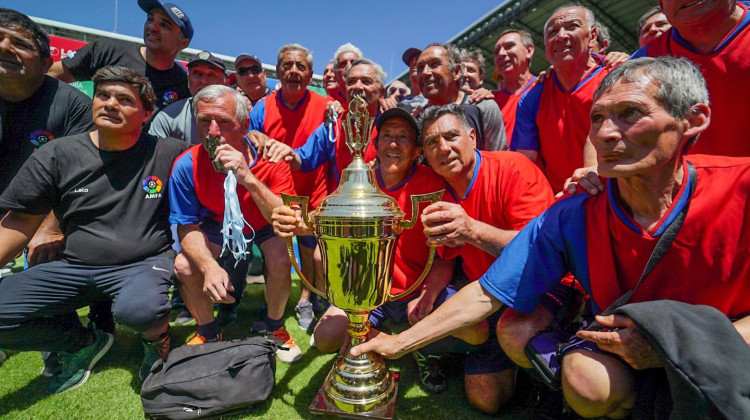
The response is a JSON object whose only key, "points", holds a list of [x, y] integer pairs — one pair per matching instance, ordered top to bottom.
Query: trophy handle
{"points": [[432, 198], [288, 200]]}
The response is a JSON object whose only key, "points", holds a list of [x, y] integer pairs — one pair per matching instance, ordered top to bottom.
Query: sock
{"points": [[273, 324], [210, 330]]}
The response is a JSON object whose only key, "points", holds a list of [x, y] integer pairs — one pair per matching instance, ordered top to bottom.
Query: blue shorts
{"points": [[212, 229], [308, 241], [396, 311], [490, 357]]}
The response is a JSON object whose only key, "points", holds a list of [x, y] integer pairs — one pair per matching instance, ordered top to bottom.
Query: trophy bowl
{"points": [[357, 227]]}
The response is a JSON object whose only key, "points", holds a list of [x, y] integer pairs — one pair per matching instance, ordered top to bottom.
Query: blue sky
{"points": [[260, 27]]}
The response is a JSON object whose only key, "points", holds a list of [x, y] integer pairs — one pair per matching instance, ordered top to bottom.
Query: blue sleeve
{"points": [[642, 52], [258, 117], [526, 132], [316, 150], [184, 207], [549, 247]]}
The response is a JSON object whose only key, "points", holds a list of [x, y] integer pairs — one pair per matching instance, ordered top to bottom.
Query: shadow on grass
{"points": [[25, 397]]}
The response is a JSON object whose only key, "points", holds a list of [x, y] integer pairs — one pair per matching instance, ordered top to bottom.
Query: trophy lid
{"points": [[358, 195]]}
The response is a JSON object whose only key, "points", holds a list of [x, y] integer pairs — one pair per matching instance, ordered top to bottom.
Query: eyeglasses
{"points": [[254, 70], [393, 89]]}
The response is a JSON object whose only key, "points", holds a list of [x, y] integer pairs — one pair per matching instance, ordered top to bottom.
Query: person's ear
{"points": [[697, 119]]}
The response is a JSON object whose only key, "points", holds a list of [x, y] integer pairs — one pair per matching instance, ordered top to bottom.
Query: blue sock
{"points": [[273, 324], [210, 330]]}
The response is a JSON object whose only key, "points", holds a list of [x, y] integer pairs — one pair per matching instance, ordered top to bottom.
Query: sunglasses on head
{"points": [[255, 70], [393, 90]]}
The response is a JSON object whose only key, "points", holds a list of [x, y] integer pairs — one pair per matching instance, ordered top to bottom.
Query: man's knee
{"points": [[275, 257], [183, 269], [141, 313], [515, 329], [330, 332], [596, 385], [488, 392]]}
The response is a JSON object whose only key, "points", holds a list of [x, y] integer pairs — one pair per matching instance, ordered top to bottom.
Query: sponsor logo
{"points": [[177, 12], [203, 55], [170, 96], [41, 137], [152, 185], [81, 190], [153, 267]]}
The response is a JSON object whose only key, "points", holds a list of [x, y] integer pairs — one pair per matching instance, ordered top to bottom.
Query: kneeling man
{"points": [[108, 189], [197, 207]]}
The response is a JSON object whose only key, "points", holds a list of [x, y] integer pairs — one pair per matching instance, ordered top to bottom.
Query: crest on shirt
{"points": [[170, 96], [41, 137], [153, 186]]}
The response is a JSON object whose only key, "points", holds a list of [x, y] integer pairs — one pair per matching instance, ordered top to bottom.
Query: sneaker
{"points": [[320, 304], [227, 315], [305, 315], [184, 318], [259, 326], [199, 339], [312, 340], [153, 351], [288, 351], [3, 357], [51, 364], [76, 367], [431, 373]]}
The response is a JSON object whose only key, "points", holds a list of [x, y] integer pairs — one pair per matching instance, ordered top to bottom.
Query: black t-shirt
{"points": [[169, 85], [55, 110], [113, 207]]}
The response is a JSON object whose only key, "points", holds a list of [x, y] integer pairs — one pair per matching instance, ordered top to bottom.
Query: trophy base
{"points": [[323, 405]]}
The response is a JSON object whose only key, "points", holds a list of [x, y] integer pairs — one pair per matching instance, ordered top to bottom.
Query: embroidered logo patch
{"points": [[170, 96], [41, 137], [152, 185]]}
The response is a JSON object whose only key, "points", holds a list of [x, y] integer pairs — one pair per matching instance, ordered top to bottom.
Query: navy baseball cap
{"points": [[179, 17], [409, 54], [207, 57], [397, 113]]}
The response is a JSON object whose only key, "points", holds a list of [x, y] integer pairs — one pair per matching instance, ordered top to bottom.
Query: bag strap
{"points": [[665, 241]]}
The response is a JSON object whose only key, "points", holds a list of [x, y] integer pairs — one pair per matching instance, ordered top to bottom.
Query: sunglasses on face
{"points": [[254, 70], [401, 91]]}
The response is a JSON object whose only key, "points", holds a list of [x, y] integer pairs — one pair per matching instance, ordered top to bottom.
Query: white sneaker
{"points": [[288, 351]]}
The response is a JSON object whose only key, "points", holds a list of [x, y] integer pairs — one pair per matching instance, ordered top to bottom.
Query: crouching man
{"points": [[645, 115], [108, 189], [197, 207]]}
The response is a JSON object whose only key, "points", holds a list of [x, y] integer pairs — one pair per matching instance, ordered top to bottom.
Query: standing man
{"points": [[652, 24], [167, 31], [513, 51], [342, 62], [472, 62], [439, 71], [251, 77], [329, 81], [415, 102], [290, 115], [177, 119], [551, 121], [492, 195], [197, 207], [117, 238]]}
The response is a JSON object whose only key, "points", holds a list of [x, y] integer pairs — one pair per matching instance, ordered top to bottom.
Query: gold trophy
{"points": [[357, 227]]}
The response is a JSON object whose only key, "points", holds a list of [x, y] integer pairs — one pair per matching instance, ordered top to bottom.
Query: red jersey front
{"points": [[725, 70], [508, 103], [506, 192], [411, 250]]}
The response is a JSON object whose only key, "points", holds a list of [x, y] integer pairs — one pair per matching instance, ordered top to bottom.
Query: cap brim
{"points": [[409, 55], [243, 57], [194, 62], [397, 113]]}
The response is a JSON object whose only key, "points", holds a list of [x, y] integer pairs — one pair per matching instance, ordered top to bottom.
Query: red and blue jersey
{"points": [[725, 69], [508, 103], [556, 123], [293, 127], [327, 144], [196, 190], [506, 191], [595, 239], [411, 250]]}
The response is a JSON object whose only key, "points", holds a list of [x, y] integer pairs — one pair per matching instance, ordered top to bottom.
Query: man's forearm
{"points": [[16, 230], [490, 239], [469, 306]]}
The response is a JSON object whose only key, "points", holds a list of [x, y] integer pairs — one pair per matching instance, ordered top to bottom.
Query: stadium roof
{"points": [[620, 16]]}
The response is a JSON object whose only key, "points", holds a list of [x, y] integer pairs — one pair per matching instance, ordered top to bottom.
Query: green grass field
{"points": [[112, 391]]}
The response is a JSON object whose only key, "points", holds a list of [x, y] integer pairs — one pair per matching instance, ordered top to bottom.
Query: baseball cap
{"points": [[175, 13], [409, 54], [245, 56], [207, 57], [397, 113]]}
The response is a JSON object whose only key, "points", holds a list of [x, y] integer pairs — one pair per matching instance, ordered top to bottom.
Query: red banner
{"points": [[63, 47]]}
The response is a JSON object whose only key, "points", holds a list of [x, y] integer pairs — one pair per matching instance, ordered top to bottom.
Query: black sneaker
{"points": [[259, 326], [153, 351], [431, 373]]}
